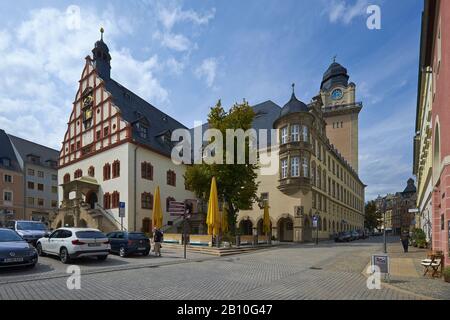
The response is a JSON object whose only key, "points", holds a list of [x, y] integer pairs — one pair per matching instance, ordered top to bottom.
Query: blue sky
{"points": [[182, 56]]}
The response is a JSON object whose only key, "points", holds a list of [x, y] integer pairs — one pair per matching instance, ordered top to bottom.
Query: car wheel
{"points": [[39, 250], [122, 252], [146, 253], [64, 256], [102, 258]]}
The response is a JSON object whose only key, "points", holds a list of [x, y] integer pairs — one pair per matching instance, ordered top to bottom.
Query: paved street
{"points": [[329, 271]]}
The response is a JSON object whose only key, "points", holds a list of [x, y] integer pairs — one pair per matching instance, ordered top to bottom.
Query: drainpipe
{"points": [[135, 187], [24, 190]]}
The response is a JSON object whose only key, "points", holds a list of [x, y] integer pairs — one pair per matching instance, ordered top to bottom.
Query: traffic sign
{"points": [[121, 209]]}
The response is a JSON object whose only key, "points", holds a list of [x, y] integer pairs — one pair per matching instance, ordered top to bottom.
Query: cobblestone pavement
{"points": [[327, 271], [435, 288]]}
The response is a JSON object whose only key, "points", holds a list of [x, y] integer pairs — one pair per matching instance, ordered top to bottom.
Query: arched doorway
{"points": [[91, 199], [82, 224], [146, 225], [246, 227], [261, 227], [286, 230], [307, 230]]}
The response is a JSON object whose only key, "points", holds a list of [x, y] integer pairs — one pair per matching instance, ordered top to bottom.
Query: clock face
{"points": [[337, 94]]}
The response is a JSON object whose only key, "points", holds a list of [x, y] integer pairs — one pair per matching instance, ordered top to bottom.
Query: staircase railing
{"points": [[109, 215]]}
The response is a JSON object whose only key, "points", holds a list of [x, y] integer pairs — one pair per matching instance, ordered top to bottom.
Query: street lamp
{"points": [[384, 229]]}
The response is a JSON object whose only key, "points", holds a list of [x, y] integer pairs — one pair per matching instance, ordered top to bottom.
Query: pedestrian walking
{"points": [[404, 238], [157, 239]]}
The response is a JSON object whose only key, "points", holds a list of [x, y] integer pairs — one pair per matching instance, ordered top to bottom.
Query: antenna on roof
{"points": [[334, 58]]}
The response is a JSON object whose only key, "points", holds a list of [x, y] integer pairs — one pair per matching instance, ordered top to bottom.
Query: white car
{"points": [[72, 243]]}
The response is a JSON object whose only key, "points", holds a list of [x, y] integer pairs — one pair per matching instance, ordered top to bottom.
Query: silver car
{"points": [[30, 231]]}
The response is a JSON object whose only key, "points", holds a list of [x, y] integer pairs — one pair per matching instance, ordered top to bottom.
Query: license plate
{"points": [[94, 244], [142, 248], [8, 260]]}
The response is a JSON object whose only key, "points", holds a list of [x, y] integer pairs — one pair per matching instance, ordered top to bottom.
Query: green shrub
{"points": [[421, 243], [446, 274]]}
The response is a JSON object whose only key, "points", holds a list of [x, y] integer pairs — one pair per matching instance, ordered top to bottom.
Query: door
{"points": [[92, 199], [112, 240], [120, 241], [50, 244]]}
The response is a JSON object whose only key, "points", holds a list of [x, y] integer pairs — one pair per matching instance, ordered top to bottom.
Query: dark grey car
{"points": [[30, 231], [15, 251]]}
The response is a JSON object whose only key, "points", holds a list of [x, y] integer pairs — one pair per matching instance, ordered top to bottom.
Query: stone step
{"points": [[217, 251]]}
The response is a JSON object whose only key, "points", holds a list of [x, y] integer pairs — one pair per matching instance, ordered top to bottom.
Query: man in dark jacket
{"points": [[157, 239], [405, 240]]}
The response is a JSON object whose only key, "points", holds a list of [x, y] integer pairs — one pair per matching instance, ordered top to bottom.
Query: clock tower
{"points": [[341, 112]]}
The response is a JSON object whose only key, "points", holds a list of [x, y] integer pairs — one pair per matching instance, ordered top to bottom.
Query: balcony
{"points": [[292, 185]]}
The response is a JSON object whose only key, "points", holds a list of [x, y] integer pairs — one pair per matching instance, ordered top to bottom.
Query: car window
{"points": [[10, 225], [28, 225], [56, 234], [66, 234], [89, 234], [111, 235], [120, 235], [9, 236], [136, 236]]}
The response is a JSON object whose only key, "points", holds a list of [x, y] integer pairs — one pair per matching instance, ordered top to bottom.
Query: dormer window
{"points": [[143, 130], [34, 159], [6, 162]]}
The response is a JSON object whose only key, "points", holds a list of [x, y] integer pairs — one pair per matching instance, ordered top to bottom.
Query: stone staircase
{"points": [[220, 252]]}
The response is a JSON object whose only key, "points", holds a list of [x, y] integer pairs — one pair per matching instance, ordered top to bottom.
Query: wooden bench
{"points": [[173, 238], [262, 239], [200, 240], [246, 240], [433, 263]]}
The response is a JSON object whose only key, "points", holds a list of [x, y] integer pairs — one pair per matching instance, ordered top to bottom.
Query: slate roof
{"points": [[335, 74], [294, 105], [133, 108], [25, 148], [7, 151]]}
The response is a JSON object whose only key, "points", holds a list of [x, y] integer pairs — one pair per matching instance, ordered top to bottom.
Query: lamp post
{"points": [[384, 229]]}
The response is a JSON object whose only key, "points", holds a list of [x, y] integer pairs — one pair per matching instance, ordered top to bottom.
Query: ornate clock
{"points": [[337, 94]]}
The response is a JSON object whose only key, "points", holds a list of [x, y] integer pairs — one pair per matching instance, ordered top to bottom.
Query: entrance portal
{"points": [[91, 199], [286, 230]]}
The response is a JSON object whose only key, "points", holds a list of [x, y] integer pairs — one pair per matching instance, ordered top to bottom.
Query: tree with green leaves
{"points": [[236, 183], [372, 216]]}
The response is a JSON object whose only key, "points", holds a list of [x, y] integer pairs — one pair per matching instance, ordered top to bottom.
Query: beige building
{"points": [[314, 178]]}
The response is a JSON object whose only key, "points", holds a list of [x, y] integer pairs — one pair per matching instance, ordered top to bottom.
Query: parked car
{"points": [[30, 231], [354, 235], [343, 237], [72, 243], [126, 243], [15, 251]]}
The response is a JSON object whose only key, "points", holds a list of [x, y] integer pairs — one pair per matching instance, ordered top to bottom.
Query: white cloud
{"points": [[343, 11], [170, 17], [176, 42], [42, 60], [174, 66], [207, 71]]}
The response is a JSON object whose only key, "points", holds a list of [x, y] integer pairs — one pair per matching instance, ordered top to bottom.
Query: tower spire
{"points": [[101, 32], [334, 58], [293, 88]]}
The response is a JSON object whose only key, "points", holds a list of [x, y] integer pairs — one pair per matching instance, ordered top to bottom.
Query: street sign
{"points": [[177, 208], [121, 209], [413, 210], [315, 221], [382, 262]]}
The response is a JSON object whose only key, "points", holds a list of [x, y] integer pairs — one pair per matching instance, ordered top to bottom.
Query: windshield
{"points": [[24, 225], [89, 234], [9, 236], [136, 236]]}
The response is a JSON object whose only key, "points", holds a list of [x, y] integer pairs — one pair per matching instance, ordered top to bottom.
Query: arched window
{"points": [[116, 169], [91, 171], [107, 171], [146, 171], [78, 174], [66, 178], [115, 199], [146, 200], [168, 200], [107, 201]]}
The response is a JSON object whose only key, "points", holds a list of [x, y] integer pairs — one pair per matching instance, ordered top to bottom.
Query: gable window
{"points": [[143, 130], [105, 131], [295, 132], [284, 135], [6, 162], [284, 167], [116, 169], [91, 171], [107, 171], [146, 171], [171, 178], [146, 200], [107, 201]]}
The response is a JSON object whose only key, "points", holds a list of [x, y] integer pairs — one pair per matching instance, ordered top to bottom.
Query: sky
{"points": [[182, 56]]}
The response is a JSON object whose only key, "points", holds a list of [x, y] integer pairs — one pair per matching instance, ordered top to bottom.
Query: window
{"points": [[143, 130], [105, 131], [295, 132], [284, 133], [305, 133], [98, 134], [78, 144], [6, 162], [295, 166], [284, 167], [305, 167], [116, 169], [91, 171], [107, 171], [146, 171], [30, 172], [313, 173], [40, 174], [78, 174], [54, 177], [8, 178], [66, 178], [171, 178], [30, 185], [40, 187], [54, 189], [7, 196], [115, 199], [146, 200], [168, 200], [314, 200], [30, 201], [107, 201], [40, 202], [54, 203]]}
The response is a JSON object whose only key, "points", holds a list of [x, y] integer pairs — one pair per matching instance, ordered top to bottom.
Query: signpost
{"points": [[184, 209], [121, 213], [382, 262]]}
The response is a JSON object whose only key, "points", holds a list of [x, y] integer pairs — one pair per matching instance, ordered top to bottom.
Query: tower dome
{"points": [[335, 74], [294, 105]]}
